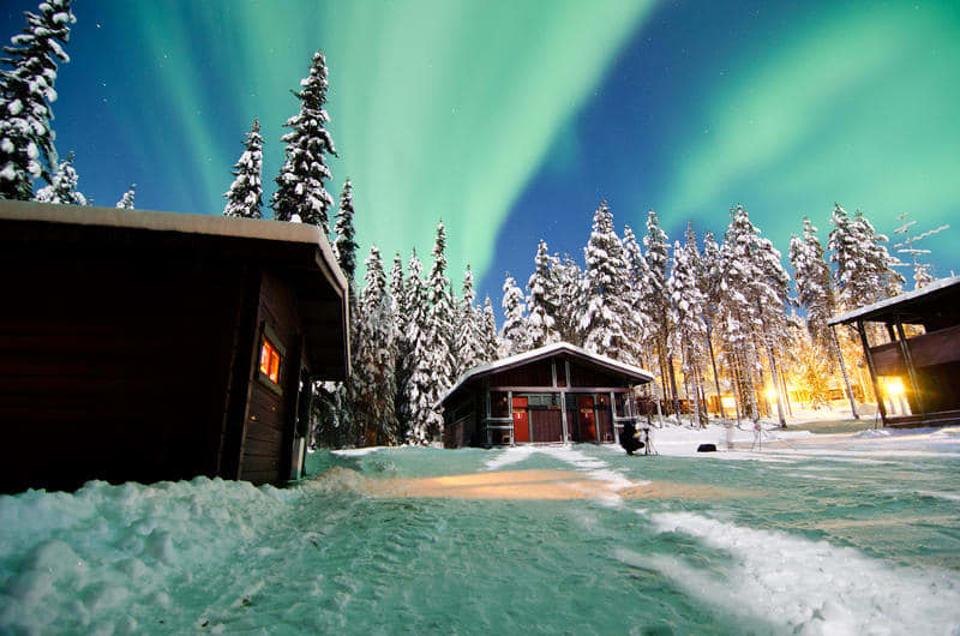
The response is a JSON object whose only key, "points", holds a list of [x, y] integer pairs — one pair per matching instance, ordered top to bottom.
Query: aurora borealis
{"points": [[511, 119]]}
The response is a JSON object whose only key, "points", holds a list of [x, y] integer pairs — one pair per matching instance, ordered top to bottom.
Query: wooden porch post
{"points": [[908, 361], [873, 372], [613, 415], [513, 436]]}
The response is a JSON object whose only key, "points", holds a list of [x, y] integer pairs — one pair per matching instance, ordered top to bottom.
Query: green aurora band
{"points": [[860, 105], [439, 108]]}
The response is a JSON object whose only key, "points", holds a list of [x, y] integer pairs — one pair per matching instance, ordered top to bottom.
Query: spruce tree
{"points": [[27, 149], [300, 184], [63, 186], [245, 196], [128, 199], [345, 244], [908, 246], [710, 268], [864, 268], [813, 283], [570, 288], [542, 301], [656, 303], [606, 311], [401, 316], [440, 325], [639, 326], [689, 331], [513, 335], [468, 339], [491, 342], [418, 381], [375, 403]]}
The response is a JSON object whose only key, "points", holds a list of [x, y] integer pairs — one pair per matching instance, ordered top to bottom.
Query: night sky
{"points": [[511, 119]]}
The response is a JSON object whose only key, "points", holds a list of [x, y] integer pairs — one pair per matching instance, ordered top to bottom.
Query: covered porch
{"points": [[911, 343]]}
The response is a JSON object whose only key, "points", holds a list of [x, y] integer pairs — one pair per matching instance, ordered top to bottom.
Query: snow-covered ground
{"points": [[815, 534]]}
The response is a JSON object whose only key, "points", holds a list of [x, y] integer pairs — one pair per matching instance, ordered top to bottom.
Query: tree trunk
{"points": [[835, 343], [716, 377], [775, 383], [673, 387]]}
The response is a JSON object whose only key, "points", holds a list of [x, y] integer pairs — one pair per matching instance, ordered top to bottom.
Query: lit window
{"points": [[270, 361]]}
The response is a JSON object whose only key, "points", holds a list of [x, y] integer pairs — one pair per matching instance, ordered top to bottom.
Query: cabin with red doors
{"points": [[148, 346], [912, 346], [555, 394]]}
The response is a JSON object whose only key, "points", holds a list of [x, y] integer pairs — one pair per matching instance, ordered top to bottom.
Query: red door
{"points": [[521, 420], [588, 422]]}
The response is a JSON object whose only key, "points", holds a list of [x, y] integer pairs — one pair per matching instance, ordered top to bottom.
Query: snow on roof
{"points": [[207, 224], [935, 286], [542, 352]]}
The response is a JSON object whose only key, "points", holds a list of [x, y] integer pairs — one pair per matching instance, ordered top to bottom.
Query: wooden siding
{"points": [[112, 371], [538, 373], [584, 376], [270, 415], [547, 425]]}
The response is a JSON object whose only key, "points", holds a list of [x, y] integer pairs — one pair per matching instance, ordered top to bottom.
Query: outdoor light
{"points": [[893, 386], [771, 394], [728, 402]]}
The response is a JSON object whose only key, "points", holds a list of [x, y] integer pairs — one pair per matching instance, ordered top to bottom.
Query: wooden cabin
{"points": [[146, 346], [912, 346], [554, 394]]}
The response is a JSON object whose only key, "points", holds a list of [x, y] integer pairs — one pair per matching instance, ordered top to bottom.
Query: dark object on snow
{"points": [[145, 346], [631, 439], [707, 448]]}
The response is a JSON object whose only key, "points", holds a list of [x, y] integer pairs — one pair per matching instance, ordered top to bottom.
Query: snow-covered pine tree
{"points": [[27, 149], [300, 184], [63, 186], [245, 196], [128, 199], [344, 243], [710, 270], [865, 270], [570, 282], [813, 283], [772, 292], [815, 294], [656, 301], [542, 302], [607, 310], [739, 312], [401, 316], [441, 321], [639, 326], [689, 331], [468, 338], [514, 338], [491, 343], [417, 363], [375, 388]]}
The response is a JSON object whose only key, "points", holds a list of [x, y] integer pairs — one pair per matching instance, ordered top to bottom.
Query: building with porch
{"points": [[912, 346], [553, 394]]}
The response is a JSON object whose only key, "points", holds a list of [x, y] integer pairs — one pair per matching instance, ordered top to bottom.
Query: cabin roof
{"points": [[299, 250], [930, 293], [546, 351]]}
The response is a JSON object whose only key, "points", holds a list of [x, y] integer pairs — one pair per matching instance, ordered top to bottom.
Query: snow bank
{"points": [[85, 562], [809, 587]]}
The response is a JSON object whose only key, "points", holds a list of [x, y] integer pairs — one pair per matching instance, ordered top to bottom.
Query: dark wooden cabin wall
{"points": [[112, 369], [534, 374], [584, 376], [269, 414]]}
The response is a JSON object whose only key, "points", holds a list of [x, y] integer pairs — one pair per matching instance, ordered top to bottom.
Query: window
{"points": [[270, 361]]}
